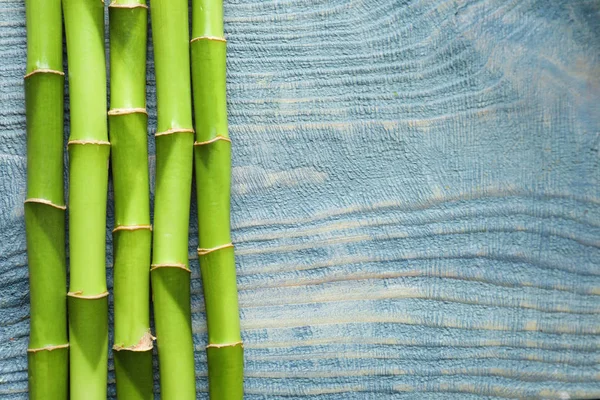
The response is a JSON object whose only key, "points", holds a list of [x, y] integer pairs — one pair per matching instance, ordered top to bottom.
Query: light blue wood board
{"points": [[416, 198]]}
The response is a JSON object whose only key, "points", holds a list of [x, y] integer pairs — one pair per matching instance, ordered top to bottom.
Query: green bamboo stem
{"points": [[128, 122], [212, 154], [88, 181], [170, 271], [48, 354]]}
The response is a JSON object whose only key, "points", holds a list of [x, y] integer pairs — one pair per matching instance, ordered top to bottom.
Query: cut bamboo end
{"points": [[116, 5], [214, 38], [44, 71], [126, 111], [174, 131], [215, 139], [88, 141], [44, 201], [132, 228], [203, 252], [169, 265], [79, 295], [145, 344], [220, 345], [49, 348]]}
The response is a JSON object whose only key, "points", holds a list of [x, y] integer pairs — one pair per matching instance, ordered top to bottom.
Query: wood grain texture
{"points": [[416, 198]]}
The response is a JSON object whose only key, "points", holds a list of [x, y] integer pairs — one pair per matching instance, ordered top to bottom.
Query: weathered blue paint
{"points": [[416, 199]]}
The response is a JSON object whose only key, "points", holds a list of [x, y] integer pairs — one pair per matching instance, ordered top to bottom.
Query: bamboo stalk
{"points": [[128, 122], [212, 154], [88, 180], [170, 271], [48, 352]]}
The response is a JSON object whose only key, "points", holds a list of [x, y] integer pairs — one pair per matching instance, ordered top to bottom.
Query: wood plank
{"points": [[416, 198]]}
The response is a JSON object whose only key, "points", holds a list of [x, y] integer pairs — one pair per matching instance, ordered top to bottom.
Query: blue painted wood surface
{"points": [[416, 198]]}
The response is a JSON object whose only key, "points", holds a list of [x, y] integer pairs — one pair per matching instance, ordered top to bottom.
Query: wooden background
{"points": [[416, 198]]}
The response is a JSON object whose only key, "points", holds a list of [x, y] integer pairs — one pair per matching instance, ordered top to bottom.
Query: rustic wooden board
{"points": [[416, 199]]}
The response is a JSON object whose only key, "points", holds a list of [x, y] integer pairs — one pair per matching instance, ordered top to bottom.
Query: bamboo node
{"points": [[117, 5], [215, 38], [44, 71], [125, 111], [173, 131], [215, 139], [88, 141], [44, 201], [132, 228], [202, 252], [169, 265], [79, 295], [144, 344], [220, 345], [49, 348]]}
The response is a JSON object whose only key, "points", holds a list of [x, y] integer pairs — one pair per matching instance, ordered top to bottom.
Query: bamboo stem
{"points": [[128, 122], [174, 139], [212, 154], [88, 177], [44, 208]]}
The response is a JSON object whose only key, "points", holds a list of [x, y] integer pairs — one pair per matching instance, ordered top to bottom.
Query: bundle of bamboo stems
{"points": [[76, 367]]}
